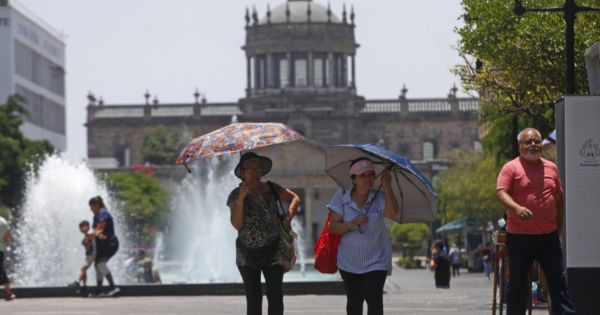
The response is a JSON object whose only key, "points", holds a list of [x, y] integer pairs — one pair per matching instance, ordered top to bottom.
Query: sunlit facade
{"points": [[32, 63]]}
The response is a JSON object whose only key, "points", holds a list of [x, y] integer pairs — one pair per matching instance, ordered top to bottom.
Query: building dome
{"points": [[298, 13]]}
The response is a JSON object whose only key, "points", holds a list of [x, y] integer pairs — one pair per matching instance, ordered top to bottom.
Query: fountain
{"points": [[201, 219], [197, 248], [48, 249]]}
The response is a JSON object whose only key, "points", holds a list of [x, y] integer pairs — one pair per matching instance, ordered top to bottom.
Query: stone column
{"points": [[344, 70], [269, 71], [353, 72], [248, 75], [331, 75], [310, 78]]}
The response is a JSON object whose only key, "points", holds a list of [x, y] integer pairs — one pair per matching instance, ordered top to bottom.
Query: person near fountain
{"points": [[5, 238], [89, 243], [107, 243], [258, 246], [365, 252]]}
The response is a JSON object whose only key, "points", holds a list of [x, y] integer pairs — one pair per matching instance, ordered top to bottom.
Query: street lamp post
{"points": [[570, 10]]}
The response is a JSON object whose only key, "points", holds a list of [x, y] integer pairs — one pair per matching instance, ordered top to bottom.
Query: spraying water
{"points": [[202, 238], [199, 248], [48, 250]]}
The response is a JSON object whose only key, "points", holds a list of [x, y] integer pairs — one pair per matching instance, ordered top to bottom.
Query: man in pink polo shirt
{"points": [[529, 187]]}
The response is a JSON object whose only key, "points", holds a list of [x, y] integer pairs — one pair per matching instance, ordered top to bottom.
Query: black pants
{"points": [[106, 249], [523, 249], [455, 270], [3, 277], [273, 278], [364, 287]]}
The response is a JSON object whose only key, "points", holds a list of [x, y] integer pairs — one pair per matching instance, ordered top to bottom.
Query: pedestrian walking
{"points": [[529, 187], [5, 238], [89, 244], [107, 244], [259, 249], [365, 252], [454, 256], [486, 259], [440, 265]]}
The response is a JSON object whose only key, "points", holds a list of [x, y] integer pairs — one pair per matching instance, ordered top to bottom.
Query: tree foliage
{"points": [[517, 64], [159, 146], [17, 154], [468, 188], [142, 200], [410, 236]]}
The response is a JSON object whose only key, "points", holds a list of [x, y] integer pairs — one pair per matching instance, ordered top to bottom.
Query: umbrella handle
{"points": [[187, 168], [360, 229]]}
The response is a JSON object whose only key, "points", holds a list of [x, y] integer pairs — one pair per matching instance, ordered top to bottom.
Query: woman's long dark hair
{"points": [[97, 201]]}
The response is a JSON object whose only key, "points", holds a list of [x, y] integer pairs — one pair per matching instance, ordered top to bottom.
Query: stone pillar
{"points": [[345, 70], [269, 72], [330, 73], [353, 73], [248, 76], [310, 80]]}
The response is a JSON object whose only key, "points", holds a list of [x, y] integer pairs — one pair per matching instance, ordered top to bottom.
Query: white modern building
{"points": [[32, 64]]}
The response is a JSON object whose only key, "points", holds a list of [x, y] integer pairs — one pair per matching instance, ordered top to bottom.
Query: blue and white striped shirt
{"points": [[368, 251]]}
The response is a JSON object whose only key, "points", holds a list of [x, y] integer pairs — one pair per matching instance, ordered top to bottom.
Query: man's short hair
{"points": [[526, 131]]}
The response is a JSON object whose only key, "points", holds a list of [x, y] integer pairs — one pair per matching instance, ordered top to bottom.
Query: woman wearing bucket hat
{"points": [[254, 214], [365, 252]]}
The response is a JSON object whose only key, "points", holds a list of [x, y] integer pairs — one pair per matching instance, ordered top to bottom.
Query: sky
{"points": [[118, 49]]}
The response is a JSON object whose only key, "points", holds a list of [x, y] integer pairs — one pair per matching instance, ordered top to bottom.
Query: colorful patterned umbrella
{"points": [[237, 137]]}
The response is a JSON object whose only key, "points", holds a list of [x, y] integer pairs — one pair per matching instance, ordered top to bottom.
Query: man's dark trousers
{"points": [[523, 249]]}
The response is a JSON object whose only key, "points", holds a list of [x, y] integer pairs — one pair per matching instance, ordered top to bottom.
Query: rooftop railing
{"points": [[403, 106]]}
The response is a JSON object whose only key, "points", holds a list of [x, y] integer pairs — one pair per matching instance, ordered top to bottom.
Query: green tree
{"points": [[517, 64], [159, 146], [17, 154], [468, 188], [143, 202], [410, 236]]}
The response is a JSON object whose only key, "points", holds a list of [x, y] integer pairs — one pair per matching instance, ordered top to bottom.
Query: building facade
{"points": [[32, 63], [300, 71]]}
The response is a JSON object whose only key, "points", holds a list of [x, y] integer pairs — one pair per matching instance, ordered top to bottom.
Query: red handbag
{"points": [[326, 250]]}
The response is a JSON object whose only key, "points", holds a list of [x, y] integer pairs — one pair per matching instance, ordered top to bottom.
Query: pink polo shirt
{"points": [[535, 187]]}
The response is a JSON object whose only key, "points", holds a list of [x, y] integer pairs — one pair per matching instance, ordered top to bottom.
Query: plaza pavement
{"points": [[408, 292]]}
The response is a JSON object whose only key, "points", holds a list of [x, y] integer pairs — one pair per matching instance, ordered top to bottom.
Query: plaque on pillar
{"points": [[592, 63]]}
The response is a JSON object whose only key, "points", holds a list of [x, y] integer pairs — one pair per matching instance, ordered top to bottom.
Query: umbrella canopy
{"points": [[237, 137], [551, 138], [414, 192], [457, 225]]}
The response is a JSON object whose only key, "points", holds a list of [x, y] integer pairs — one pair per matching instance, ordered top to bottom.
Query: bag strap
{"points": [[280, 210], [288, 236]]}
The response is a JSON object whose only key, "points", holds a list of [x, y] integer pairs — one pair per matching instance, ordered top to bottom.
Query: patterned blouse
{"points": [[260, 213]]}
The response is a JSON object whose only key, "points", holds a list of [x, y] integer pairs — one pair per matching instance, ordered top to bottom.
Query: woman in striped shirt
{"points": [[365, 251]]}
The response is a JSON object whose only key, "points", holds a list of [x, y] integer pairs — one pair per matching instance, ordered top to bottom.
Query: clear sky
{"points": [[119, 48]]}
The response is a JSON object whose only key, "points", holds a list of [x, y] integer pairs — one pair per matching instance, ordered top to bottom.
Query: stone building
{"points": [[300, 71]]}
